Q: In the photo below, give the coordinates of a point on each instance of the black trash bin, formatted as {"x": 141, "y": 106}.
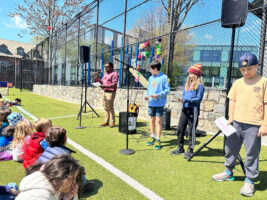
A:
{"x": 166, "y": 119}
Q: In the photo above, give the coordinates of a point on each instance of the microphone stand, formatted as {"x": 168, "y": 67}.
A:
{"x": 127, "y": 151}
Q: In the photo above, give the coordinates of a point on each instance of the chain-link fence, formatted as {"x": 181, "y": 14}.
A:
{"x": 137, "y": 32}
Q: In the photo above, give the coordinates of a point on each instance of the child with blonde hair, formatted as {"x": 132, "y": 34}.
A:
{"x": 34, "y": 149}
{"x": 191, "y": 99}
{"x": 21, "y": 138}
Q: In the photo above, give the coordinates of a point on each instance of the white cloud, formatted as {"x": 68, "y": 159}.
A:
{"x": 208, "y": 36}
{"x": 16, "y": 22}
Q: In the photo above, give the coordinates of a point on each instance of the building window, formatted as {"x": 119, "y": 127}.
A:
{"x": 3, "y": 49}
{"x": 210, "y": 55}
{"x": 20, "y": 51}
{"x": 36, "y": 53}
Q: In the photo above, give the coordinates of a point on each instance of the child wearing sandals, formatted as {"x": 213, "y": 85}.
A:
{"x": 248, "y": 114}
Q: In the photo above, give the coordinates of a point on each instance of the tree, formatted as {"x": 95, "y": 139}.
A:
{"x": 49, "y": 18}
{"x": 154, "y": 23}
{"x": 44, "y": 17}
{"x": 180, "y": 9}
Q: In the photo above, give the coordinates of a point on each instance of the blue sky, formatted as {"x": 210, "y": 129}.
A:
{"x": 209, "y": 10}
{"x": 11, "y": 27}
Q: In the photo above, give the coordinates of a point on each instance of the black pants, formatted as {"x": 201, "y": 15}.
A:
{"x": 186, "y": 118}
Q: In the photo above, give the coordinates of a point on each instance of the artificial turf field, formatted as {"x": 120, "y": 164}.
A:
{"x": 170, "y": 177}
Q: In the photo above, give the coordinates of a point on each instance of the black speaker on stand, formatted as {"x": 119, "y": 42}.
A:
{"x": 84, "y": 58}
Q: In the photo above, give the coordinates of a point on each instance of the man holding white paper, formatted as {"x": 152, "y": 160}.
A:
{"x": 109, "y": 85}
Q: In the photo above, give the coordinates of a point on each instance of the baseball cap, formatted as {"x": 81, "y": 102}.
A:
{"x": 247, "y": 59}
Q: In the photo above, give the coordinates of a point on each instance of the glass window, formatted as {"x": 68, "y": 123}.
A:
{"x": 20, "y": 51}
{"x": 3, "y": 49}
{"x": 210, "y": 55}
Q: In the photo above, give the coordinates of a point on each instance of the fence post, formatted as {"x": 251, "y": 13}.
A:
{"x": 120, "y": 80}
{"x": 111, "y": 53}
{"x": 96, "y": 33}
{"x": 169, "y": 43}
{"x": 78, "y": 55}
{"x": 262, "y": 69}
{"x": 102, "y": 63}
{"x": 137, "y": 52}
{"x": 124, "y": 36}
{"x": 89, "y": 68}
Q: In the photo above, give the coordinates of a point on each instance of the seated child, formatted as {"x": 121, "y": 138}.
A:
{"x": 8, "y": 132}
{"x": 34, "y": 149}
{"x": 9, "y": 191}
{"x": 3, "y": 105}
{"x": 3, "y": 119}
{"x": 22, "y": 136}
{"x": 56, "y": 138}
{"x": 56, "y": 179}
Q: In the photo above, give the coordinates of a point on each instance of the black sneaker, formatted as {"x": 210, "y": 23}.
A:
{"x": 178, "y": 151}
{"x": 188, "y": 153}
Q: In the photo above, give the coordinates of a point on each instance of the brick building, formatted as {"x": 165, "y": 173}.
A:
{"x": 11, "y": 53}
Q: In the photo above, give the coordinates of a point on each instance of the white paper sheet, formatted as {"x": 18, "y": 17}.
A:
{"x": 226, "y": 129}
{"x": 96, "y": 84}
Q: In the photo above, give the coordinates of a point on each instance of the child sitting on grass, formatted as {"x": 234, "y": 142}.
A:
{"x": 22, "y": 136}
{"x": 8, "y": 132}
{"x": 3, "y": 119}
{"x": 34, "y": 149}
{"x": 55, "y": 180}
{"x": 56, "y": 137}
{"x": 9, "y": 191}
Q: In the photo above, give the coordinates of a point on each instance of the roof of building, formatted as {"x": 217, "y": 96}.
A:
{"x": 12, "y": 47}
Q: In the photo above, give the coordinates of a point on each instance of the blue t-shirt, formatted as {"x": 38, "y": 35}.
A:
{"x": 4, "y": 125}
{"x": 160, "y": 86}
{"x": 5, "y": 140}
{"x": 193, "y": 98}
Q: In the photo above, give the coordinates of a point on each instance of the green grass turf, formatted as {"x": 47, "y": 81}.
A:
{"x": 171, "y": 177}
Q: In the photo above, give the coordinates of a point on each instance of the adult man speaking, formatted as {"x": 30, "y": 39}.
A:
{"x": 109, "y": 85}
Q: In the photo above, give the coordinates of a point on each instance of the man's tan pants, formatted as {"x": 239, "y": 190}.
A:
{"x": 108, "y": 104}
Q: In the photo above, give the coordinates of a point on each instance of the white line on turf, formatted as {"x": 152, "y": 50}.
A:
{"x": 124, "y": 177}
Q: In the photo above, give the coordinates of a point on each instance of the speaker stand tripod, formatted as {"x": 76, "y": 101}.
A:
{"x": 83, "y": 104}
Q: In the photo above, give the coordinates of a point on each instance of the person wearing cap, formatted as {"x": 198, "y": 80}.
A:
{"x": 248, "y": 115}
{"x": 158, "y": 88}
{"x": 192, "y": 96}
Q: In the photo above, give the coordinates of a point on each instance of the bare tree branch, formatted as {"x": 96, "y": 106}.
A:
{"x": 36, "y": 14}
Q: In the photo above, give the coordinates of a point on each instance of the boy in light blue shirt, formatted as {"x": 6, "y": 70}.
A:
{"x": 157, "y": 90}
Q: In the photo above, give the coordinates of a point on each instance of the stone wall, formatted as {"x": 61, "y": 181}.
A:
{"x": 212, "y": 107}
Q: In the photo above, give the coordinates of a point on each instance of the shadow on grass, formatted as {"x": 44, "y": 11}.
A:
{"x": 141, "y": 124}
{"x": 262, "y": 185}
{"x": 97, "y": 185}
{"x": 260, "y": 182}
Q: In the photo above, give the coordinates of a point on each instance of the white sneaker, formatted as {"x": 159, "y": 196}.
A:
{"x": 248, "y": 189}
